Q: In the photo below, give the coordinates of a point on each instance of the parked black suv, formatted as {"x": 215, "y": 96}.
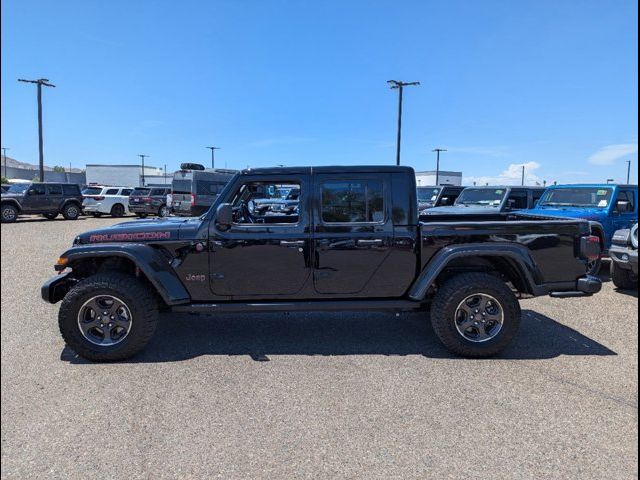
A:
{"x": 47, "y": 199}
{"x": 145, "y": 201}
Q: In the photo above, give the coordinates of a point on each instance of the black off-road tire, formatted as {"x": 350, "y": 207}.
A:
{"x": 117, "y": 210}
{"x": 163, "y": 211}
{"x": 623, "y": 279}
{"x": 9, "y": 213}
{"x": 50, "y": 216}
{"x": 71, "y": 211}
{"x": 139, "y": 299}
{"x": 593, "y": 268}
{"x": 449, "y": 297}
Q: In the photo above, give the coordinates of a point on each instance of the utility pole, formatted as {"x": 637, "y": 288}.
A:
{"x": 628, "y": 171}
{"x": 400, "y": 85}
{"x": 523, "y": 170}
{"x": 39, "y": 83}
{"x": 438, "y": 150}
{"x": 165, "y": 173}
{"x": 4, "y": 154}
{"x": 213, "y": 149}
{"x": 142, "y": 157}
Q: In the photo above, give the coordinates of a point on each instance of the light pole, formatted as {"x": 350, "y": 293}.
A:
{"x": 400, "y": 85}
{"x": 523, "y": 170}
{"x": 438, "y": 150}
{"x": 213, "y": 149}
{"x": 628, "y": 171}
{"x": 4, "y": 154}
{"x": 39, "y": 83}
{"x": 142, "y": 157}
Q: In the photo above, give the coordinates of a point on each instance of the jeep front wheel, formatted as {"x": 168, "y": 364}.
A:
{"x": 108, "y": 316}
{"x": 475, "y": 315}
{"x": 71, "y": 211}
{"x": 9, "y": 213}
{"x": 623, "y": 279}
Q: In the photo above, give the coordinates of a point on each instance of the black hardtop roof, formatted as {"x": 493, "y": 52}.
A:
{"x": 327, "y": 169}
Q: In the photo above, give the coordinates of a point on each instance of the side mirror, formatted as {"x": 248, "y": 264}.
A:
{"x": 224, "y": 215}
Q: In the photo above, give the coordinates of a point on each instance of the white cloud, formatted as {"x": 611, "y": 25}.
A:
{"x": 511, "y": 176}
{"x": 609, "y": 154}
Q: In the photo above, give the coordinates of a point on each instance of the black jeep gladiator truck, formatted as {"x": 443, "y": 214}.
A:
{"x": 355, "y": 243}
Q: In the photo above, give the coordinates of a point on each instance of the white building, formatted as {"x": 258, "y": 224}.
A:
{"x": 124, "y": 175}
{"x": 425, "y": 179}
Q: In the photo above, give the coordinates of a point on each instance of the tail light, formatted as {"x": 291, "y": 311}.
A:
{"x": 94, "y": 197}
{"x": 590, "y": 247}
{"x": 169, "y": 199}
{"x": 193, "y": 199}
{"x": 146, "y": 199}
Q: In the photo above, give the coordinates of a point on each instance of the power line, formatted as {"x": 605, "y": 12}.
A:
{"x": 396, "y": 84}
{"x": 39, "y": 83}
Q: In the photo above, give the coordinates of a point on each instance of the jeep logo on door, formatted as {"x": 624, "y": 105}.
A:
{"x": 190, "y": 277}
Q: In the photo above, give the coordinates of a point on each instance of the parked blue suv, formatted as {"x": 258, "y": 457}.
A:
{"x": 613, "y": 207}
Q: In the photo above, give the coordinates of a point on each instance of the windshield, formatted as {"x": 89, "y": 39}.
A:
{"x": 18, "y": 188}
{"x": 92, "y": 191}
{"x": 140, "y": 192}
{"x": 488, "y": 197}
{"x": 427, "y": 194}
{"x": 589, "y": 197}
{"x": 181, "y": 186}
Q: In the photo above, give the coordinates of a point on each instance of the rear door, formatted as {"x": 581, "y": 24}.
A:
{"x": 54, "y": 197}
{"x": 353, "y": 231}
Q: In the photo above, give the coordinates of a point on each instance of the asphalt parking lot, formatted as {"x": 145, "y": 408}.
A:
{"x": 315, "y": 395}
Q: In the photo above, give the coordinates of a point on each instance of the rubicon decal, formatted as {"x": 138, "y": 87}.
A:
{"x": 128, "y": 237}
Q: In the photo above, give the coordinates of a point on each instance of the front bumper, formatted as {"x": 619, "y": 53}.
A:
{"x": 624, "y": 257}
{"x": 56, "y": 288}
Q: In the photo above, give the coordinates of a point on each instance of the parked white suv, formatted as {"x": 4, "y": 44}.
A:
{"x": 104, "y": 200}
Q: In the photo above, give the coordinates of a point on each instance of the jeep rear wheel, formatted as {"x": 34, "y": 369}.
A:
{"x": 71, "y": 211}
{"x": 475, "y": 315}
{"x": 117, "y": 210}
{"x": 623, "y": 279}
{"x": 108, "y": 316}
{"x": 9, "y": 213}
{"x": 163, "y": 211}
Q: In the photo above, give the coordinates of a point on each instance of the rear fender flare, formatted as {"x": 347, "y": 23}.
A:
{"x": 518, "y": 255}
{"x": 150, "y": 261}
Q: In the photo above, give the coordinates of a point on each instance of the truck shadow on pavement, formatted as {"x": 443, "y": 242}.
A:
{"x": 182, "y": 337}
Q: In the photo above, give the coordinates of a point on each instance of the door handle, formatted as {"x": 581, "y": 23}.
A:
{"x": 294, "y": 243}
{"x": 377, "y": 242}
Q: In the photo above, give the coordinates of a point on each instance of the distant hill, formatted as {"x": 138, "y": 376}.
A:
{"x": 12, "y": 162}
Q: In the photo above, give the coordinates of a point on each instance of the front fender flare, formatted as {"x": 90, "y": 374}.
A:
{"x": 150, "y": 261}
{"x": 519, "y": 255}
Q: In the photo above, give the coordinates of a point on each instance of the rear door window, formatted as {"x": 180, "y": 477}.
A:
{"x": 126, "y": 191}
{"x": 112, "y": 191}
{"x": 157, "y": 192}
{"x": 54, "y": 189}
{"x": 352, "y": 201}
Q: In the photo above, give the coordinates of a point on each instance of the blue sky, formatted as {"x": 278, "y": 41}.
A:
{"x": 550, "y": 84}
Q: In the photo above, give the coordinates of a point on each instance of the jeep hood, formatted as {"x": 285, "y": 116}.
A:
{"x": 142, "y": 231}
{"x": 596, "y": 214}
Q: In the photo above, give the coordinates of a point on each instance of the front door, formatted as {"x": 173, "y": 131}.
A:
{"x": 625, "y": 218}
{"x": 266, "y": 252}
{"x": 35, "y": 199}
{"x": 353, "y": 232}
